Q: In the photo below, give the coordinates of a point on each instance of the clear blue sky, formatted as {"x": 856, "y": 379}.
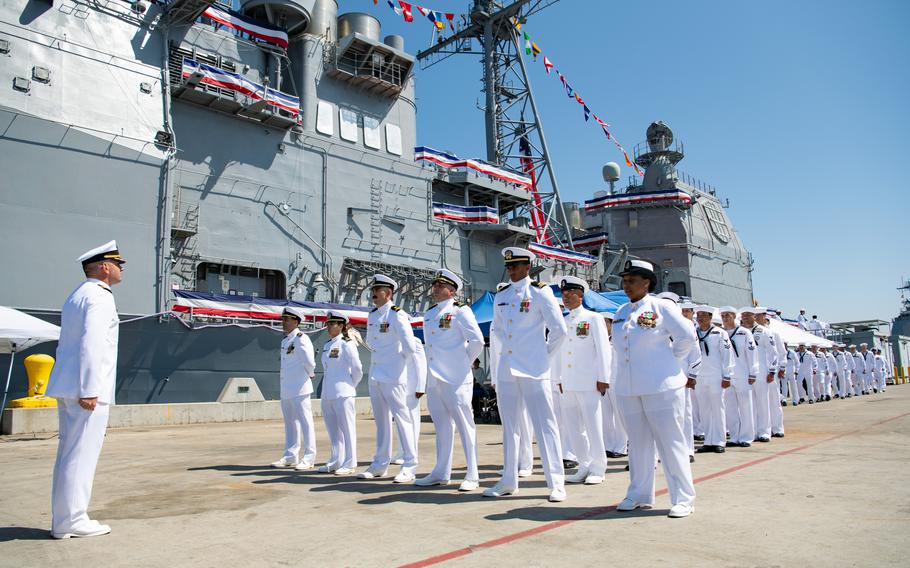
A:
{"x": 797, "y": 111}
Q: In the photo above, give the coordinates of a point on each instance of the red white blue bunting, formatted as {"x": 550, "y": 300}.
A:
{"x": 446, "y": 160}
{"x": 607, "y": 201}
{"x": 241, "y": 23}
{"x": 590, "y": 241}
{"x": 565, "y": 255}
{"x": 462, "y": 214}
{"x": 236, "y": 82}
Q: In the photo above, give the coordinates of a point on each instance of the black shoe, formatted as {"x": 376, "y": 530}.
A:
{"x": 802, "y": 400}
{"x": 699, "y": 438}
{"x": 836, "y": 395}
{"x": 691, "y": 459}
{"x": 875, "y": 390}
{"x": 865, "y": 393}
{"x": 762, "y": 439}
{"x": 783, "y": 403}
{"x": 745, "y": 445}
{"x": 778, "y": 435}
{"x": 719, "y": 449}
{"x": 615, "y": 455}
{"x": 827, "y": 397}
{"x": 627, "y": 468}
{"x": 849, "y": 395}
{"x": 705, "y": 449}
{"x": 811, "y": 402}
{"x": 569, "y": 464}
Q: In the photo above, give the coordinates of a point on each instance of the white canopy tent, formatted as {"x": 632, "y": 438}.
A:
{"x": 18, "y": 332}
{"x": 793, "y": 335}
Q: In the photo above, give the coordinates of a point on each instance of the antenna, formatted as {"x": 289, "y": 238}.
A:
{"x": 514, "y": 132}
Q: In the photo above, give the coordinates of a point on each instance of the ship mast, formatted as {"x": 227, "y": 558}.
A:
{"x": 514, "y": 131}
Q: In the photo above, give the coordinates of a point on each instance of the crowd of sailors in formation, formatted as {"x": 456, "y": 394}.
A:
{"x": 647, "y": 383}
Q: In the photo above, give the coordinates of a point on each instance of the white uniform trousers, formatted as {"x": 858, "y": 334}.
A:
{"x": 298, "y": 423}
{"x": 390, "y": 400}
{"x": 777, "y": 413}
{"x": 819, "y": 385}
{"x": 615, "y": 438}
{"x": 761, "y": 407}
{"x": 806, "y": 387}
{"x": 713, "y": 417}
{"x": 841, "y": 384}
{"x": 538, "y": 399}
{"x": 697, "y": 428}
{"x": 584, "y": 425}
{"x": 568, "y": 450}
{"x": 80, "y": 441}
{"x": 791, "y": 388}
{"x": 858, "y": 387}
{"x": 740, "y": 422}
{"x": 689, "y": 428}
{"x": 657, "y": 419}
{"x": 450, "y": 406}
{"x": 340, "y": 418}
{"x": 880, "y": 381}
{"x": 413, "y": 404}
{"x": 526, "y": 443}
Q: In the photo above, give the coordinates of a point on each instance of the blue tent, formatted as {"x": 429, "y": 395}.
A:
{"x": 483, "y": 311}
{"x": 598, "y": 301}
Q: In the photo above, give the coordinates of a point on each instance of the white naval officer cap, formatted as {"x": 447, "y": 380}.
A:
{"x": 515, "y": 255}
{"x": 447, "y": 277}
{"x": 107, "y": 251}
{"x": 336, "y": 317}
{"x": 293, "y": 312}
{"x": 568, "y": 282}
{"x": 704, "y": 308}
{"x": 669, "y": 296}
{"x": 383, "y": 281}
{"x": 728, "y": 309}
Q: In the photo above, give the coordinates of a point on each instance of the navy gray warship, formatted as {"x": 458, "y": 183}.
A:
{"x": 249, "y": 169}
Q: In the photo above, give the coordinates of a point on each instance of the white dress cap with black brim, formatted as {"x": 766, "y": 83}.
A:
{"x": 516, "y": 255}
{"x": 447, "y": 277}
{"x": 107, "y": 251}
{"x": 383, "y": 281}
{"x": 336, "y": 317}
{"x": 573, "y": 283}
{"x": 293, "y": 312}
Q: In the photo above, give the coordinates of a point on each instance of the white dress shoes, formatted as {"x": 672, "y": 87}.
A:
{"x": 630, "y": 505}
{"x": 468, "y": 485}
{"x": 578, "y": 477}
{"x": 94, "y": 529}
{"x": 594, "y": 480}
{"x": 680, "y": 510}
{"x": 372, "y": 474}
{"x": 326, "y": 469}
{"x": 429, "y": 481}
{"x": 304, "y": 466}
{"x": 558, "y": 495}
{"x": 499, "y": 490}
{"x": 524, "y": 472}
{"x": 343, "y": 471}
{"x": 404, "y": 477}
{"x": 284, "y": 462}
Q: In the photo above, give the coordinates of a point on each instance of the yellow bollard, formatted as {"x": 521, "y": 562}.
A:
{"x": 38, "y": 367}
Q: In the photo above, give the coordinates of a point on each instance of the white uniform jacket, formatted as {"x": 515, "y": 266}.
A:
{"x": 417, "y": 369}
{"x": 522, "y": 312}
{"x": 821, "y": 363}
{"x": 832, "y": 363}
{"x": 792, "y": 365}
{"x": 453, "y": 341}
{"x": 849, "y": 363}
{"x": 717, "y": 359}
{"x": 645, "y": 361}
{"x": 298, "y": 364}
{"x": 781, "y": 348}
{"x": 766, "y": 352}
{"x": 86, "y": 365}
{"x": 840, "y": 361}
{"x": 859, "y": 363}
{"x": 878, "y": 368}
{"x": 391, "y": 339}
{"x": 586, "y": 356}
{"x": 869, "y": 362}
{"x": 807, "y": 365}
{"x": 341, "y": 368}
{"x": 744, "y": 352}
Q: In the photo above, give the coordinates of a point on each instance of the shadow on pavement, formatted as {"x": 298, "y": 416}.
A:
{"x": 23, "y": 533}
{"x": 557, "y": 513}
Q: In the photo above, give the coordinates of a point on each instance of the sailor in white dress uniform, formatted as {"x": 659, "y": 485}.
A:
{"x": 391, "y": 339}
{"x": 583, "y": 369}
{"x": 83, "y": 381}
{"x": 777, "y": 388}
{"x": 739, "y": 403}
{"x": 821, "y": 373}
{"x": 805, "y": 374}
{"x": 764, "y": 390}
{"x": 453, "y": 341}
{"x": 649, "y": 380}
{"x": 522, "y": 314}
{"x": 714, "y": 377}
{"x": 694, "y": 429}
{"x": 859, "y": 370}
{"x": 342, "y": 371}
{"x": 868, "y": 367}
{"x": 833, "y": 374}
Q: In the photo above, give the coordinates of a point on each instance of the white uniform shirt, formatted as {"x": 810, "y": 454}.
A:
{"x": 744, "y": 353}
{"x": 298, "y": 364}
{"x": 86, "y": 365}
{"x": 792, "y": 365}
{"x": 859, "y": 363}
{"x": 878, "y": 368}
{"x": 645, "y": 361}
{"x": 781, "y": 349}
{"x": 821, "y": 363}
{"x": 522, "y": 312}
{"x": 717, "y": 359}
{"x": 832, "y": 363}
{"x": 807, "y": 365}
{"x": 802, "y": 321}
{"x": 391, "y": 338}
{"x": 454, "y": 341}
{"x": 586, "y": 356}
{"x": 868, "y": 362}
{"x": 849, "y": 363}
{"x": 766, "y": 352}
{"x": 341, "y": 368}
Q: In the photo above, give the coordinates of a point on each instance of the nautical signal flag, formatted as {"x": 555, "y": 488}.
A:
{"x": 405, "y": 10}
{"x": 547, "y": 64}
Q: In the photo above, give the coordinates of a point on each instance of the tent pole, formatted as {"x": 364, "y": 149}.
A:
{"x": 9, "y": 374}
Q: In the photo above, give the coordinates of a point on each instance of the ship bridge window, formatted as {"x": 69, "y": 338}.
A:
{"x": 371, "y": 136}
{"x": 236, "y": 280}
{"x": 717, "y": 221}
{"x": 393, "y": 139}
{"x": 348, "y": 124}
{"x": 325, "y": 118}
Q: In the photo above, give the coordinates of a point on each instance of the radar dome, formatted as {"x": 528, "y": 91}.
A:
{"x": 611, "y": 172}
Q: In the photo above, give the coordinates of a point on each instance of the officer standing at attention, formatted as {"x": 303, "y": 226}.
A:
{"x": 454, "y": 340}
{"x": 583, "y": 366}
{"x": 342, "y": 372}
{"x": 715, "y": 376}
{"x": 523, "y": 311}
{"x": 739, "y": 402}
{"x": 83, "y": 381}
{"x": 650, "y": 382}
{"x": 298, "y": 365}
{"x": 391, "y": 339}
